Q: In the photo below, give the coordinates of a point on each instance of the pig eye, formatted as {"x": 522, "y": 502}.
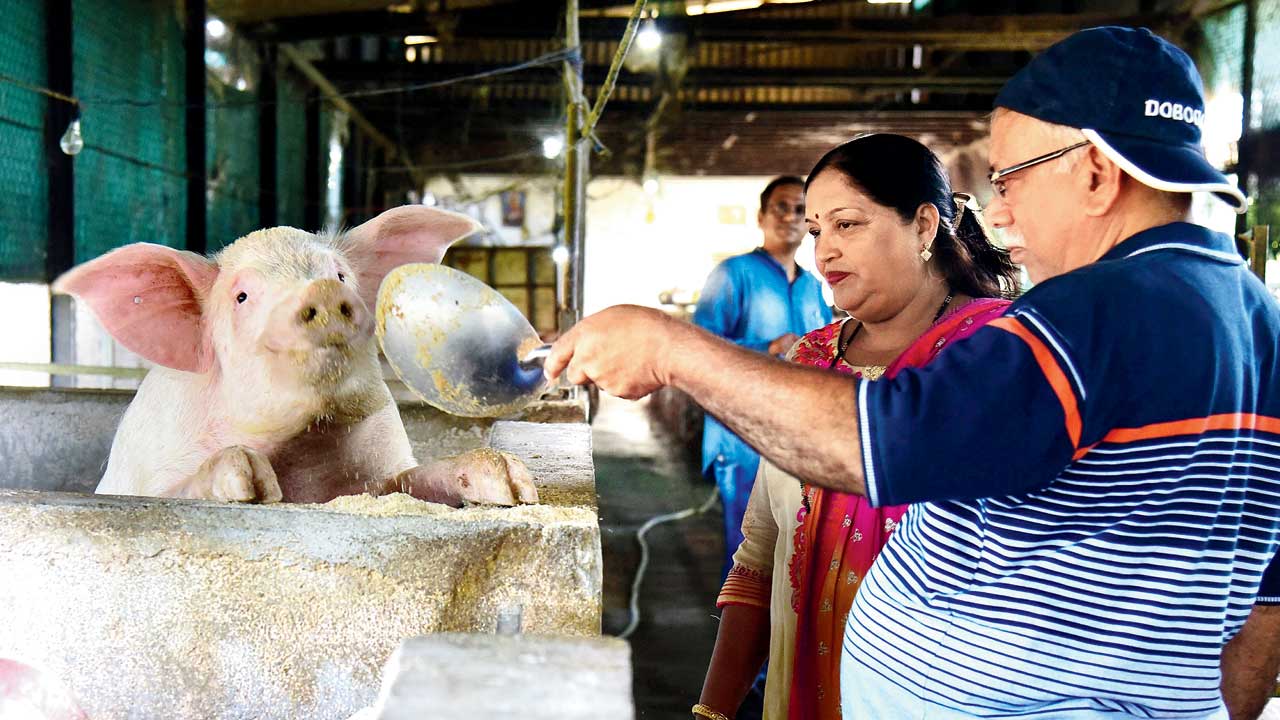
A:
{"x": 242, "y": 297}
{"x": 342, "y": 278}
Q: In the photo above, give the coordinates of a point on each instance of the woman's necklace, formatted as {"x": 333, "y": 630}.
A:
{"x": 844, "y": 343}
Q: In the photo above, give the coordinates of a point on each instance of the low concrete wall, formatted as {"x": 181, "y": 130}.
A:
{"x": 152, "y": 608}
{"x": 493, "y": 677}
{"x": 60, "y": 439}
{"x": 57, "y": 439}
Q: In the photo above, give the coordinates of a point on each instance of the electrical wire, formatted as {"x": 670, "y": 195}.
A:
{"x": 567, "y": 54}
{"x": 644, "y": 554}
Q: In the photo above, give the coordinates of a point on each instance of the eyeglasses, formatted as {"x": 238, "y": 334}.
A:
{"x": 997, "y": 177}
{"x": 785, "y": 209}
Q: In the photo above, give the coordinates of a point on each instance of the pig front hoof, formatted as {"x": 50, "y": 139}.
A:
{"x": 492, "y": 477}
{"x": 479, "y": 477}
{"x": 239, "y": 474}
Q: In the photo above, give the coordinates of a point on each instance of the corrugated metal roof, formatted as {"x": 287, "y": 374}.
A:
{"x": 743, "y": 92}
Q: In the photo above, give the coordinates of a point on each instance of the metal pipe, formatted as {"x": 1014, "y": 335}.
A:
{"x": 575, "y": 171}
{"x": 196, "y": 133}
{"x": 268, "y": 138}
{"x": 332, "y": 94}
{"x": 611, "y": 79}
{"x": 562, "y": 292}
{"x": 1244, "y": 161}
{"x": 1261, "y": 239}
{"x": 60, "y": 249}
{"x": 73, "y": 369}
{"x": 315, "y": 163}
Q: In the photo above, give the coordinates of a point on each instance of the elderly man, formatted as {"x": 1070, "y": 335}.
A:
{"x": 1098, "y": 472}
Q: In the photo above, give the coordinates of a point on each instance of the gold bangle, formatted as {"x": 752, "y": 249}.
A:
{"x": 705, "y": 712}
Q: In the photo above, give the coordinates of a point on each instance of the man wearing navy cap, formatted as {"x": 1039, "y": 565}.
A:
{"x": 1085, "y": 547}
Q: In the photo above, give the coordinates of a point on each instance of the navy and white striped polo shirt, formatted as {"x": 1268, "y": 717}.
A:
{"x": 1099, "y": 479}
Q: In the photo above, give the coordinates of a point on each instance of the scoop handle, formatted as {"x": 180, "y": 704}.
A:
{"x": 536, "y": 357}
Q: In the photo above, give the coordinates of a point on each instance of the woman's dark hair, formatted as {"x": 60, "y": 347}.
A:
{"x": 900, "y": 173}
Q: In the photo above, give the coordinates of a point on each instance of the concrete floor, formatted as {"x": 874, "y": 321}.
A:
{"x": 641, "y": 473}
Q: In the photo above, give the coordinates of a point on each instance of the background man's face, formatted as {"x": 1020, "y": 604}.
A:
{"x": 782, "y": 219}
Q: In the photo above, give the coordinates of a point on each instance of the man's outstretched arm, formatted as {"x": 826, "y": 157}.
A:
{"x": 802, "y": 419}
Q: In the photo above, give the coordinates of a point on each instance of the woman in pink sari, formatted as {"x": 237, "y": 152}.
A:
{"x": 912, "y": 265}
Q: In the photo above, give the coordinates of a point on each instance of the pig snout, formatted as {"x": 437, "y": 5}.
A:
{"x": 327, "y": 313}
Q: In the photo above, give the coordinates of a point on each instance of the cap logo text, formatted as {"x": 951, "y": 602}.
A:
{"x": 1174, "y": 111}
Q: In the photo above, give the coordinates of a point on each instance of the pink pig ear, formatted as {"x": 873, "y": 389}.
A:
{"x": 399, "y": 236}
{"x": 151, "y": 299}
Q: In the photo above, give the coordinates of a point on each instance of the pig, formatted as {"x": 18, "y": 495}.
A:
{"x": 267, "y": 385}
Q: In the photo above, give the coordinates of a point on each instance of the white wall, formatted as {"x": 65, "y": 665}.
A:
{"x": 639, "y": 245}
{"x": 27, "y": 340}
{"x": 94, "y": 346}
{"x": 26, "y": 332}
{"x": 479, "y": 196}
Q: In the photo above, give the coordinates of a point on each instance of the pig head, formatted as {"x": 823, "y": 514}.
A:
{"x": 269, "y": 385}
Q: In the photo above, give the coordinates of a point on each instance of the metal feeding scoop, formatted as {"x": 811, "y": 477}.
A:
{"x": 457, "y": 343}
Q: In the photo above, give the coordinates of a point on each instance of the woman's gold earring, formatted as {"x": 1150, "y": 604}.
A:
{"x": 925, "y": 254}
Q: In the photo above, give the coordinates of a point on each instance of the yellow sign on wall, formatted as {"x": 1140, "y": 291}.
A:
{"x": 733, "y": 215}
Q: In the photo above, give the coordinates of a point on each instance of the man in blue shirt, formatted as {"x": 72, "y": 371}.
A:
{"x": 763, "y": 301}
{"x": 1095, "y": 476}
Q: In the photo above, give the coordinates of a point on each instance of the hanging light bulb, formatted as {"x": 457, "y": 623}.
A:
{"x": 649, "y": 38}
{"x": 72, "y": 141}
{"x": 215, "y": 28}
{"x": 552, "y": 146}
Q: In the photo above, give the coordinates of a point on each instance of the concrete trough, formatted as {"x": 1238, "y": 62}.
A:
{"x": 150, "y": 608}
{"x": 495, "y": 677}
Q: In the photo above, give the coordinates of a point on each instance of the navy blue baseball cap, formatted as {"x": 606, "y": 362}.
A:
{"x": 1137, "y": 97}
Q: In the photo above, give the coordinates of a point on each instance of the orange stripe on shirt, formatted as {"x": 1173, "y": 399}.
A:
{"x": 1049, "y": 366}
{"x": 1195, "y": 426}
